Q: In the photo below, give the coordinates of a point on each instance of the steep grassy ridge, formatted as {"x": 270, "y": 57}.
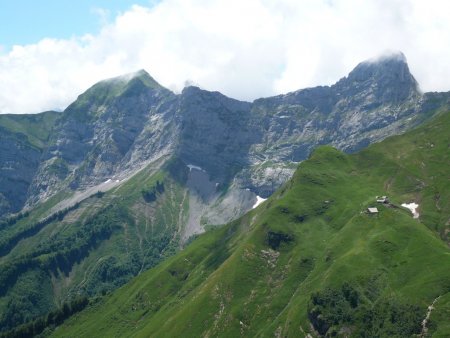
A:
{"x": 36, "y": 127}
{"x": 310, "y": 259}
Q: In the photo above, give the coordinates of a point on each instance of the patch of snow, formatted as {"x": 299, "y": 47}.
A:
{"x": 413, "y": 207}
{"x": 247, "y": 189}
{"x": 117, "y": 181}
{"x": 155, "y": 117}
{"x": 107, "y": 181}
{"x": 191, "y": 166}
{"x": 259, "y": 200}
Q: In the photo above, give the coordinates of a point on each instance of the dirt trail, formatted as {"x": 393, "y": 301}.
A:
{"x": 427, "y": 318}
{"x": 89, "y": 271}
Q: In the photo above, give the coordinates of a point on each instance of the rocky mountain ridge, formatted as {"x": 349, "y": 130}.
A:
{"x": 119, "y": 125}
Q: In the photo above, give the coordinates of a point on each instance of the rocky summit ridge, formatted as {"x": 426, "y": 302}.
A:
{"x": 120, "y": 125}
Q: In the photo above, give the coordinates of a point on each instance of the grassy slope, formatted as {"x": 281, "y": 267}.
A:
{"x": 36, "y": 127}
{"x": 103, "y": 92}
{"x": 230, "y": 282}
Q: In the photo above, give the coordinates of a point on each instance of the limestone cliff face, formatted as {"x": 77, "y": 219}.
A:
{"x": 377, "y": 99}
{"x": 115, "y": 125}
{"x": 374, "y": 95}
{"x": 121, "y": 124}
{"x": 214, "y": 132}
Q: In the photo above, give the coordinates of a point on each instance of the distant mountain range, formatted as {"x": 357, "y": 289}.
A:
{"x": 130, "y": 173}
{"x": 120, "y": 125}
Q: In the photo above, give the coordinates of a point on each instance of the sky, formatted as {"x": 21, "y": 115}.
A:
{"x": 52, "y": 51}
{"x": 28, "y": 21}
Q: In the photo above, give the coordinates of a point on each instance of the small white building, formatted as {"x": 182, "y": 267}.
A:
{"x": 382, "y": 199}
{"x": 372, "y": 210}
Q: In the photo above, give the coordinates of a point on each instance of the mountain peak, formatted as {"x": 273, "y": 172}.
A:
{"x": 396, "y": 56}
{"x": 116, "y": 86}
{"x": 131, "y": 84}
{"x": 388, "y": 76}
{"x": 388, "y": 66}
{"x": 141, "y": 75}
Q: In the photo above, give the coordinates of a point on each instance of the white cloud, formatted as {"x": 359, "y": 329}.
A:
{"x": 245, "y": 49}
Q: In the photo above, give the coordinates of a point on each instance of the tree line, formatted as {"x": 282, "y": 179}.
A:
{"x": 9, "y": 241}
{"x": 53, "y": 318}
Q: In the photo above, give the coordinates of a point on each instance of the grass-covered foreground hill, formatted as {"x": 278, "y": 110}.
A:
{"x": 310, "y": 260}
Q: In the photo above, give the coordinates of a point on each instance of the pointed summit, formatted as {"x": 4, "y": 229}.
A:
{"x": 390, "y": 56}
{"x": 141, "y": 75}
{"x": 121, "y": 82}
{"x": 387, "y": 67}
{"x": 118, "y": 85}
{"x": 387, "y": 77}
{"x": 105, "y": 91}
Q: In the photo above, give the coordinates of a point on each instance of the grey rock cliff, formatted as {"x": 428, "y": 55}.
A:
{"x": 120, "y": 125}
{"x": 377, "y": 99}
{"x": 214, "y": 132}
{"x": 115, "y": 125}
